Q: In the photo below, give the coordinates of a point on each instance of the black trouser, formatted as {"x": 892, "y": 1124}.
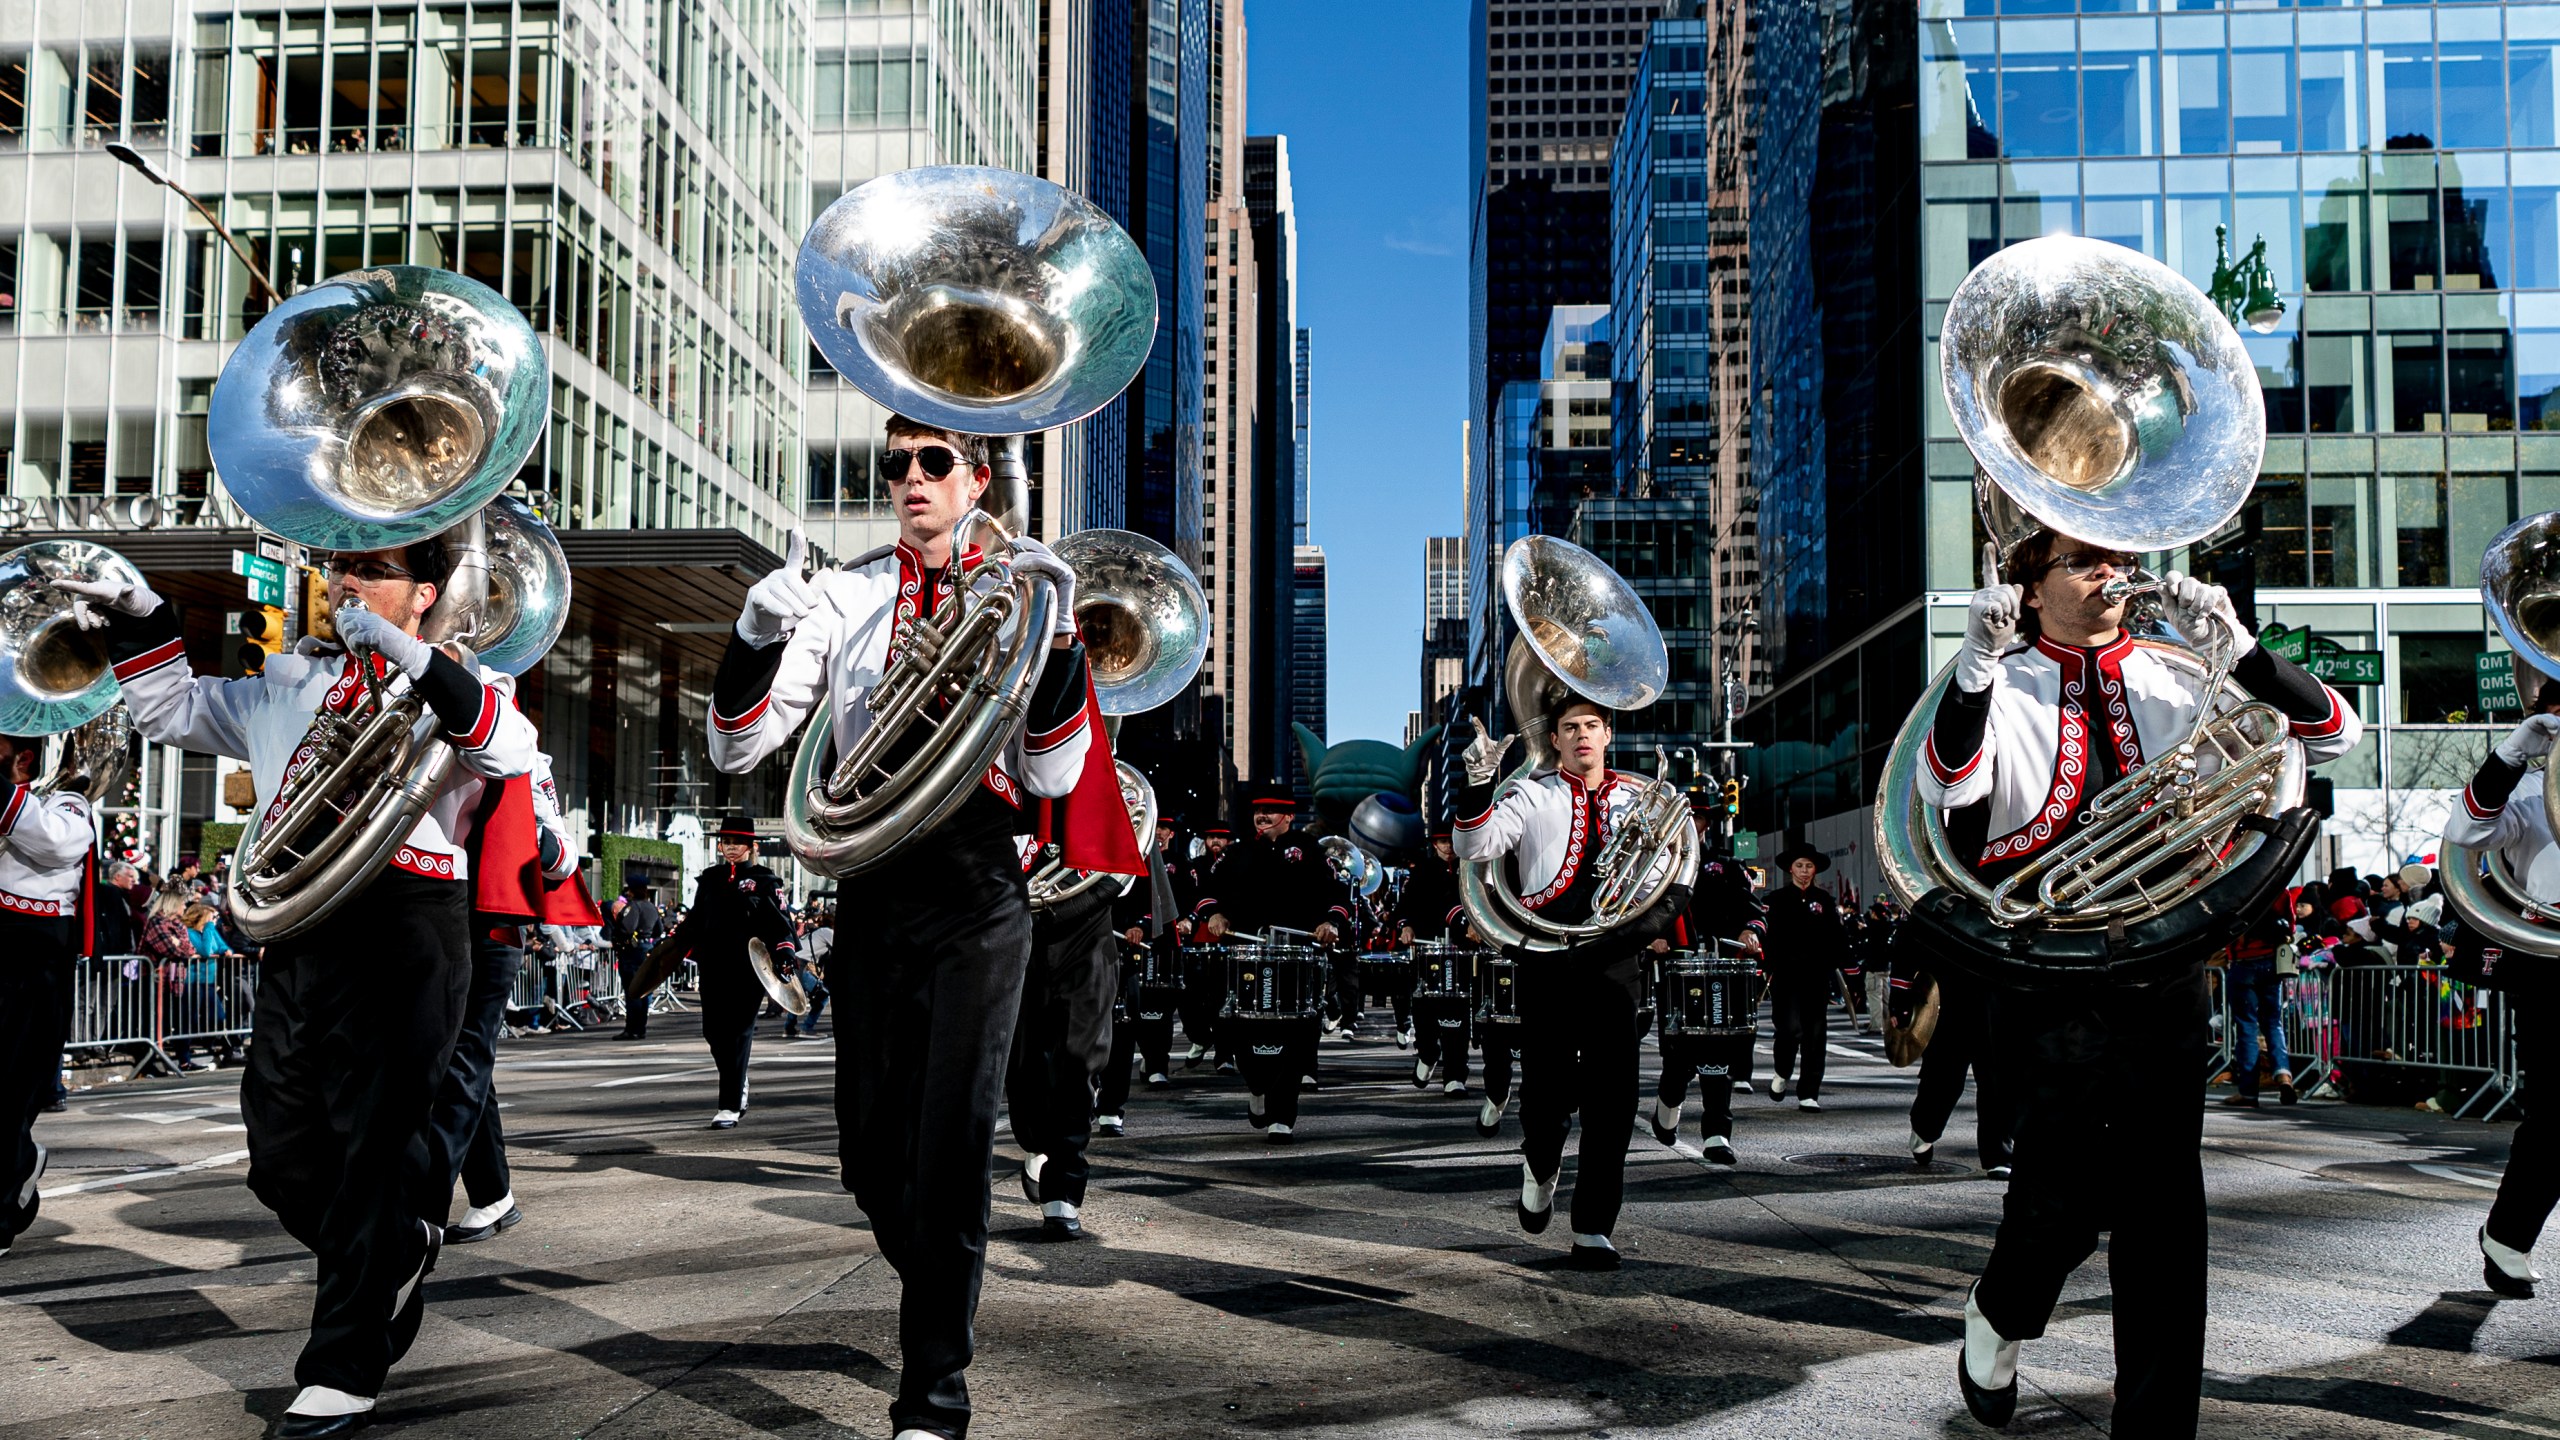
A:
{"x": 635, "y": 1006}
{"x": 2532, "y": 1183}
{"x": 1111, "y": 1087}
{"x": 924, "y": 1021}
{"x": 1800, "y": 1014}
{"x": 471, "y": 1144}
{"x": 1501, "y": 1043}
{"x": 1714, "y": 1061}
{"x": 1204, "y": 991}
{"x": 35, "y": 1020}
{"x": 1578, "y": 1054}
{"x": 1440, "y": 1033}
{"x": 1962, "y": 1041}
{"x": 355, "y": 1024}
{"x": 1273, "y": 1056}
{"x": 732, "y": 998}
{"x": 1061, "y": 1042}
{"x": 2108, "y": 1138}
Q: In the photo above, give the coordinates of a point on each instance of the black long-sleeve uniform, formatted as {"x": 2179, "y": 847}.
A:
{"x": 1261, "y": 883}
{"x": 733, "y": 904}
{"x": 1430, "y": 908}
{"x": 1722, "y": 909}
{"x": 1805, "y": 945}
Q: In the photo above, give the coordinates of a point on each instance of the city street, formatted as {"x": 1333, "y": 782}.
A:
{"x": 669, "y": 1280}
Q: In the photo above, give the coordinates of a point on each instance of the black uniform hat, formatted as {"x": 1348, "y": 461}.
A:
{"x": 1218, "y": 830}
{"x": 740, "y": 826}
{"x": 1273, "y": 796}
{"x": 1803, "y": 851}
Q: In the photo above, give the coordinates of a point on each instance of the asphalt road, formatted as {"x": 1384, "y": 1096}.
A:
{"x": 670, "y": 1280}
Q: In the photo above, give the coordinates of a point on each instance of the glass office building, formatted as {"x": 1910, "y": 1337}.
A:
{"x": 634, "y": 180}
{"x": 2398, "y": 163}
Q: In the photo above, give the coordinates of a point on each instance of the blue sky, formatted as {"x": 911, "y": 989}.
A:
{"x": 1373, "y": 99}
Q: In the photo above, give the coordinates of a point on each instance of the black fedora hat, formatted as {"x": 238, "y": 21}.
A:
{"x": 1802, "y": 850}
{"x": 740, "y": 826}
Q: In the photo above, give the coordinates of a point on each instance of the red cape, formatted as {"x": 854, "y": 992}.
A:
{"x": 506, "y": 872}
{"x": 1091, "y": 823}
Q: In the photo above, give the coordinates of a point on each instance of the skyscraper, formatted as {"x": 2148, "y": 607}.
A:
{"x": 1168, "y": 188}
{"x": 1444, "y": 622}
{"x": 1302, "y": 479}
{"x": 1544, "y": 98}
{"x": 1275, "y": 444}
{"x": 635, "y": 182}
{"x": 1233, "y": 568}
{"x": 1080, "y": 474}
{"x": 1548, "y": 458}
{"x": 1307, "y": 654}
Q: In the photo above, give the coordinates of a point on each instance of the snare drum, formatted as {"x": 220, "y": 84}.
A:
{"x": 1498, "y": 993}
{"x": 1443, "y": 971}
{"x": 1385, "y": 974}
{"x": 1707, "y": 995}
{"x": 1155, "y": 984}
{"x": 1274, "y": 982}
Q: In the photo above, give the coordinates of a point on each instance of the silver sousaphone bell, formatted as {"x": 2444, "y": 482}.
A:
{"x": 2520, "y": 587}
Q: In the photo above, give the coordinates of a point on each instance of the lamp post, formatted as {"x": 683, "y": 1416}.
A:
{"x": 2246, "y": 292}
{"x": 257, "y": 274}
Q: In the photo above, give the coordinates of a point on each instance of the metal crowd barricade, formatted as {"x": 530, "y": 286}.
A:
{"x": 211, "y": 1004}
{"x": 115, "y": 1008}
{"x": 2418, "y": 1017}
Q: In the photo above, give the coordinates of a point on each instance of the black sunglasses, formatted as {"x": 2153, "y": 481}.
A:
{"x": 371, "y": 572}
{"x": 937, "y": 461}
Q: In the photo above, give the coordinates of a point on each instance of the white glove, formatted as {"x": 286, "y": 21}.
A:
{"x": 89, "y": 596}
{"x": 1483, "y": 755}
{"x": 778, "y": 603}
{"x": 2529, "y": 739}
{"x": 2197, "y": 610}
{"x": 361, "y": 628}
{"x": 1033, "y": 558}
{"x": 1990, "y": 623}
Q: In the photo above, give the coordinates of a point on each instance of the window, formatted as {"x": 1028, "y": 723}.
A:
{"x": 2421, "y": 529}
{"x": 2262, "y": 101}
{"x": 2410, "y": 369}
{"x": 2039, "y": 105}
{"x": 2474, "y": 97}
{"x": 2330, "y": 85}
{"x": 141, "y": 284}
{"x": 2476, "y": 381}
{"x": 2408, "y": 96}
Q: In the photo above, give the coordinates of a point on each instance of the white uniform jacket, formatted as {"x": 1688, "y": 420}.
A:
{"x": 2049, "y": 711}
{"x": 843, "y": 645}
{"x": 264, "y": 720}
{"x": 1542, "y": 820}
{"x": 44, "y": 846}
{"x": 2519, "y": 828}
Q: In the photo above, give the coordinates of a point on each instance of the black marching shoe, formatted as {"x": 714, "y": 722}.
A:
{"x": 1110, "y": 1127}
{"x": 2501, "y": 1279}
{"x": 1060, "y": 1221}
{"x": 1664, "y": 1119}
{"x": 1587, "y": 1255}
{"x": 1991, "y": 1407}
{"x": 1031, "y": 1180}
{"x": 409, "y": 1307}
{"x": 1718, "y": 1150}
{"x": 317, "y": 1427}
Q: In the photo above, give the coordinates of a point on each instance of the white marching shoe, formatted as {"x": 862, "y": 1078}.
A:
{"x": 2507, "y": 1270}
{"x": 724, "y": 1120}
{"x": 1454, "y": 1087}
{"x": 1922, "y": 1151}
{"x": 1986, "y": 1368}
{"x": 1537, "y": 1198}
{"x": 1279, "y": 1133}
{"x": 1718, "y": 1150}
{"x": 1489, "y": 1118}
{"x": 1665, "y": 1120}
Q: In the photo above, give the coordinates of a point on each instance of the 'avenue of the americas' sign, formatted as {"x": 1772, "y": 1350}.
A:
{"x": 117, "y": 513}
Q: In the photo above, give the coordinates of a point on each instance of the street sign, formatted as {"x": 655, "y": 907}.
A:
{"x": 273, "y": 548}
{"x": 2493, "y": 675}
{"x": 265, "y": 576}
{"x": 2326, "y": 659}
{"x": 1746, "y": 845}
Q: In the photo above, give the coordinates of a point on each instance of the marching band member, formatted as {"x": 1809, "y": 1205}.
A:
{"x": 1203, "y": 988}
{"x": 345, "y": 1059}
{"x": 1275, "y": 877}
{"x": 1061, "y": 1041}
{"x": 1805, "y": 947}
{"x": 1580, "y": 1043}
{"x": 1147, "y": 918}
{"x": 44, "y": 869}
{"x": 928, "y": 983}
{"x": 510, "y": 889}
{"x": 2495, "y": 814}
{"x": 2109, "y": 1127}
{"x": 1722, "y": 909}
{"x": 734, "y": 901}
{"x": 1429, "y": 910}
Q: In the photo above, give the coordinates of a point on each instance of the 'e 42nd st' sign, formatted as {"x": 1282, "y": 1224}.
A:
{"x": 2326, "y": 659}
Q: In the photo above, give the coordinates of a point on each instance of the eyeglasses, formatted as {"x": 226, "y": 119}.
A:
{"x": 371, "y": 572}
{"x": 937, "y": 461}
{"x": 2080, "y": 564}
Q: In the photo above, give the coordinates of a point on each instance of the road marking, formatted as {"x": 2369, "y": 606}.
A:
{"x": 2447, "y": 1172}
{"x": 653, "y": 1079}
{"x": 172, "y": 1117}
{"x": 214, "y": 1162}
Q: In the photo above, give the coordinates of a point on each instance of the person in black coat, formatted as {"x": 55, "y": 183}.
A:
{"x": 1722, "y": 909}
{"x": 1429, "y": 910}
{"x": 1148, "y": 920}
{"x": 1275, "y": 878}
{"x": 1805, "y": 945}
{"x": 1203, "y": 985}
{"x": 734, "y": 901}
{"x": 635, "y": 926}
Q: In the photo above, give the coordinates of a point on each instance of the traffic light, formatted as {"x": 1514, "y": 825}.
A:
{"x": 1733, "y": 797}
{"x": 315, "y": 605}
{"x": 261, "y": 635}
